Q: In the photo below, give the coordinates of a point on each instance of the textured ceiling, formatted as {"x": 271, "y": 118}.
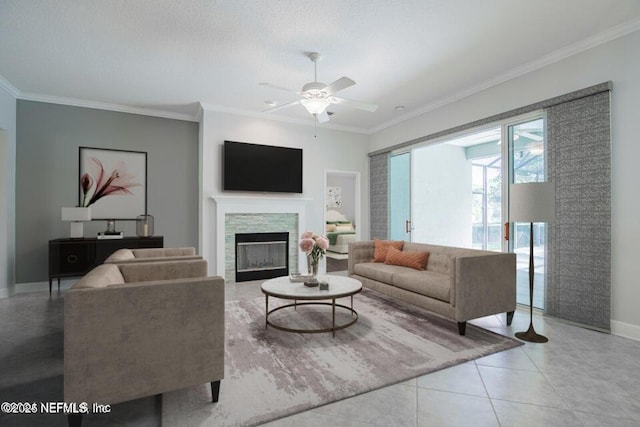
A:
{"x": 170, "y": 55}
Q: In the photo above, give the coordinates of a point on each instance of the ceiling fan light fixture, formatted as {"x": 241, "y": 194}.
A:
{"x": 315, "y": 105}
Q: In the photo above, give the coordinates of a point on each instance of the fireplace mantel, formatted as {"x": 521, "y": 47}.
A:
{"x": 219, "y": 199}
{"x": 226, "y": 204}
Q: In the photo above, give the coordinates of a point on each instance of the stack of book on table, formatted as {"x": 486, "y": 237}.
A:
{"x": 110, "y": 235}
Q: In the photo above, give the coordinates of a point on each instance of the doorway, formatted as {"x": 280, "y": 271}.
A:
{"x": 342, "y": 217}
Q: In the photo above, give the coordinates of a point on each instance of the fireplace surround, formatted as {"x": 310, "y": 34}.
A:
{"x": 243, "y": 214}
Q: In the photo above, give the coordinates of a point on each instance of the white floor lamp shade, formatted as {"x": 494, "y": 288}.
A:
{"x": 532, "y": 202}
{"x": 76, "y": 216}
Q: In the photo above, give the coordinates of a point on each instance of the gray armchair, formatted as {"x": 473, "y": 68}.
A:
{"x": 142, "y": 329}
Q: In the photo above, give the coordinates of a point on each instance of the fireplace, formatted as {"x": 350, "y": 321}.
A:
{"x": 261, "y": 255}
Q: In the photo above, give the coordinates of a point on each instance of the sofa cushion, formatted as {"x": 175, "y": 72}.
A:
{"x": 416, "y": 260}
{"x": 381, "y": 246}
{"x": 163, "y": 270}
{"x": 429, "y": 283}
{"x": 100, "y": 277}
{"x": 121, "y": 255}
{"x": 163, "y": 252}
{"x": 441, "y": 258}
{"x": 376, "y": 271}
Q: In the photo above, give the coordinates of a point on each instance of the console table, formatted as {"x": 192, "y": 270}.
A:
{"x": 76, "y": 257}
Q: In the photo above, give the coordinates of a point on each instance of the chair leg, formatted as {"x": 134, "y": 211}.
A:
{"x": 462, "y": 327}
{"x": 215, "y": 390}
{"x": 75, "y": 420}
{"x": 510, "y": 317}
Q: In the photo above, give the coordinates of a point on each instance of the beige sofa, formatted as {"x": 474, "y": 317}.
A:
{"x": 122, "y": 256}
{"x": 142, "y": 329}
{"x": 461, "y": 284}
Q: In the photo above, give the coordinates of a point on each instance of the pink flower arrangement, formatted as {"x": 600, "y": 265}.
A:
{"x": 116, "y": 182}
{"x": 313, "y": 245}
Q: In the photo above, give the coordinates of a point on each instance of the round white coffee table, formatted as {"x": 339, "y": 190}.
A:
{"x": 339, "y": 287}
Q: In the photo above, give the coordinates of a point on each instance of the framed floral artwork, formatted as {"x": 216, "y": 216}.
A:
{"x": 113, "y": 183}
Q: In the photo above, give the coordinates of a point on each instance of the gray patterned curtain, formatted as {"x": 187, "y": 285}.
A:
{"x": 379, "y": 195}
{"x": 579, "y": 246}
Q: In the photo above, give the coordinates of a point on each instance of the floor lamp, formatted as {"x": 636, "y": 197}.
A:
{"x": 532, "y": 202}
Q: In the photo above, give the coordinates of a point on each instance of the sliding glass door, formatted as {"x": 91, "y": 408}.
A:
{"x": 400, "y": 196}
{"x": 455, "y": 192}
{"x": 456, "y": 197}
{"x": 527, "y": 164}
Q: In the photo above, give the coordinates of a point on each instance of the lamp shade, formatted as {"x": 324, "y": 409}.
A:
{"x": 532, "y": 202}
{"x": 76, "y": 214}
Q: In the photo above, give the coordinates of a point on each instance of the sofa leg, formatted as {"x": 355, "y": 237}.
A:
{"x": 510, "y": 317}
{"x": 462, "y": 327}
{"x": 215, "y": 390}
{"x": 75, "y": 420}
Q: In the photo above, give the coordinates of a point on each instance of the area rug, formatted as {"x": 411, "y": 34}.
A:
{"x": 271, "y": 374}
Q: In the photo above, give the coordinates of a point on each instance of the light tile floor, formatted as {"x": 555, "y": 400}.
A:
{"x": 579, "y": 378}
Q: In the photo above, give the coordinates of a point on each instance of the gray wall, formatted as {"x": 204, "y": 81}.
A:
{"x": 48, "y": 137}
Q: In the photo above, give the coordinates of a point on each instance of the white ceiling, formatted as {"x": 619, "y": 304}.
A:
{"x": 169, "y": 55}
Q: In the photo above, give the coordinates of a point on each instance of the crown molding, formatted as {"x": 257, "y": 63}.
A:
{"x": 200, "y": 112}
{"x": 556, "y": 56}
{"x": 7, "y": 86}
{"x": 274, "y": 117}
{"x": 106, "y": 106}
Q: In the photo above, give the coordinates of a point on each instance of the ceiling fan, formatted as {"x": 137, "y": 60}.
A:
{"x": 317, "y": 96}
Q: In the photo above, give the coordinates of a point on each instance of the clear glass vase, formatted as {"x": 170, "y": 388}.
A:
{"x": 312, "y": 266}
{"x": 312, "y": 270}
{"x": 144, "y": 225}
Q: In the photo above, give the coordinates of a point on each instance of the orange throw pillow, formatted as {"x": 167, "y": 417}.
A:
{"x": 380, "y": 254}
{"x": 417, "y": 260}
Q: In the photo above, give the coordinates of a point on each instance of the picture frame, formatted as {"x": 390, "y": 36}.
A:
{"x": 113, "y": 182}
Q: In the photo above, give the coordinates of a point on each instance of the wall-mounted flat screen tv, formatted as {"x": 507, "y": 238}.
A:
{"x": 263, "y": 168}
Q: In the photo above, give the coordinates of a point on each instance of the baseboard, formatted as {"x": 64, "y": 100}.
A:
{"x": 42, "y": 286}
{"x": 5, "y": 293}
{"x": 626, "y": 330}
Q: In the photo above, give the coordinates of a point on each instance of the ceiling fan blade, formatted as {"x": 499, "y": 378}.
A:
{"x": 341, "y": 83}
{"x": 278, "y": 87}
{"x": 355, "y": 104}
{"x": 323, "y": 117}
{"x": 280, "y": 107}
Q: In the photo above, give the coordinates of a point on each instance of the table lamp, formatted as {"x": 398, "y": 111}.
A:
{"x": 532, "y": 202}
{"x": 76, "y": 216}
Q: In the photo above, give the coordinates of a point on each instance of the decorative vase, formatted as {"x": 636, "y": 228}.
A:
{"x": 312, "y": 270}
{"x": 312, "y": 266}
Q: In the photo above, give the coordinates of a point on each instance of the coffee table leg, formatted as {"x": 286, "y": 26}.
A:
{"x": 333, "y": 324}
{"x": 352, "y": 305}
{"x": 266, "y": 311}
